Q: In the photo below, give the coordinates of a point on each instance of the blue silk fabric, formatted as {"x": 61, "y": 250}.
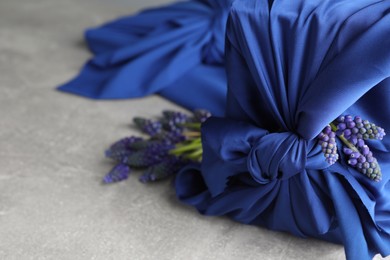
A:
{"x": 176, "y": 51}
{"x": 292, "y": 68}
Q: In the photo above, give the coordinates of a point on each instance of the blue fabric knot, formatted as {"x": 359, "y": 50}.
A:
{"x": 232, "y": 148}
{"x": 277, "y": 156}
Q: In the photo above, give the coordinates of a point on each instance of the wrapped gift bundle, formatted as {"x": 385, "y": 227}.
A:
{"x": 299, "y": 91}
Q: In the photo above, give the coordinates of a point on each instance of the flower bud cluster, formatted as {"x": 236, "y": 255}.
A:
{"x": 173, "y": 121}
{"x": 120, "y": 172}
{"x": 356, "y": 131}
{"x": 353, "y": 131}
{"x": 149, "y": 127}
{"x": 154, "y": 153}
{"x": 122, "y": 148}
{"x": 356, "y": 128}
{"x": 327, "y": 140}
{"x": 151, "y": 155}
{"x": 162, "y": 170}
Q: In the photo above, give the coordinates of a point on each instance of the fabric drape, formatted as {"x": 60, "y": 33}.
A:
{"x": 176, "y": 51}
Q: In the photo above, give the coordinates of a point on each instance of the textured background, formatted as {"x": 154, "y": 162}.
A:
{"x": 52, "y": 202}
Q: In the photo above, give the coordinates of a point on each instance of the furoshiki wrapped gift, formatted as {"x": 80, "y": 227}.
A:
{"x": 296, "y": 149}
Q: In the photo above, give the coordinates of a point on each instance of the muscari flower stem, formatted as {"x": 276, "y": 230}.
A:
{"x": 191, "y": 150}
{"x": 343, "y": 139}
{"x": 195, "y": 155}
{"x": 182, "y": 148}
{"x": 191, "y": 134}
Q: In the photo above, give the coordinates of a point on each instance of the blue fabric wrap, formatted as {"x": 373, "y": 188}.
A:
{"x": 292, "y": 68}
{"x": 176, "y": 51}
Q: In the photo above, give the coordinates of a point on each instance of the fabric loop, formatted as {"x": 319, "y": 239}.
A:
{"x": 232, "y": 147}
{"x": 277, "y": 156}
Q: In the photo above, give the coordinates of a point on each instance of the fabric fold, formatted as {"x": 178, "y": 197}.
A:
{"x": 169, "y": 50}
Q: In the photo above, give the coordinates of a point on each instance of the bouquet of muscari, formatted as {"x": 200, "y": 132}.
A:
{"x": 297, "y": 148}
{"x": 167, "y": 145}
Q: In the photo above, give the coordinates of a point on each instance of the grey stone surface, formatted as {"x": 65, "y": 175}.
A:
{"x": 52, "y": 202}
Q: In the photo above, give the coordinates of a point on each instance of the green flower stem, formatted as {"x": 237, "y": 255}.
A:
{"x": 192, "y": 134}
{"x": 193, "y": 145}
{"x": 191, "y": 148}
{"x": 343, "y": 139}
{"x": 195, "y": 155}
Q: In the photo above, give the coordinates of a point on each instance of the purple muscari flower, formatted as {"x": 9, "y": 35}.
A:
{"x": 347, "y": 151}
{"x": 352, "y": 162}
{"x": 341, "y": 126}
{"x": 340, "y": 119}
{"x": 357, "y": 128}
{"x": 360, "y": 143}
{"x": 201, "y": 115}
{"x": 173, "y": 120}
{"x": 327, "y": 130}
{"x": 350, "y": 124}
{"x": 122, "y": 148}
{"x": 171, "y": 137}
{"x": 362, "y": 159}
{"x": 118, "y": 173}
{"x": 348, "y": 118}
{"x": 365, "y": 149}
{"x": 168, "y": 167}
{"x": 371, "y": 169}
{"x": 176, "y": 116}
{"x": 358, "y": 120}
{"x": 153, "y": 154}
{"x": 354, "y": 155}
{"x": 328, "y": 144}
{"x": 372, "y": 131}
{"x": 149, "y": 127}
{"x": 347, "y": 133}
{"x": 354, "y": 130}
{"x": 353, "y": 139}
{"x": 143, "y": 144}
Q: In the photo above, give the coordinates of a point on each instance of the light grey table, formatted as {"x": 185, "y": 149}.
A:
{"x": 52, "y": 202}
